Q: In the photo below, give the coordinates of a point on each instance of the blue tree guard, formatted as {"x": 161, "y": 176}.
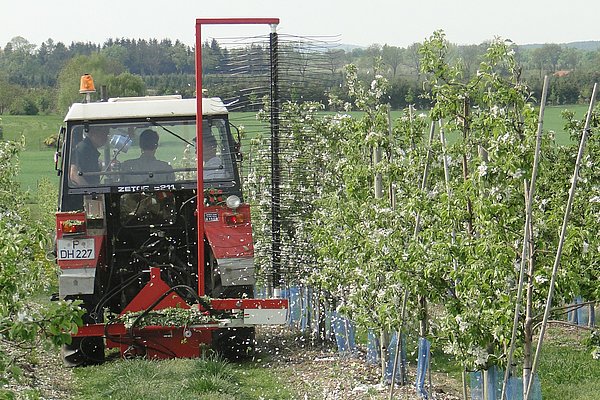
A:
{"x": 295, "y": 305}
{"x": 422, "y": 366}
{"x": 373, "y": 347}
{"x": 400, "y": 363}
{"x": 344, "y": 333}
{"x": 514, "y": 386}
{"x": 580, "y": 316}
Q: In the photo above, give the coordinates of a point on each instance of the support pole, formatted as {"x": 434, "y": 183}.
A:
{"x": 529, "y": 194}
{"x": 398, "y": 349}
{"x": 423, "y": 325}
{"x": 275, "y": 168}
{"x": 453, "y": 232}
{"x": 561, "y": 241}
{"x": 200, "y": 162}
{"x": 422, "y": 299}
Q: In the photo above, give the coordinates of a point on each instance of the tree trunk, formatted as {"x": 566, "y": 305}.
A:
{"x": 528, "y": 328}
{"x": 465, "y": 166}
{"x": 423, "y": 328}
{"x": 527, "y": 356}
{"x": 383, "y": 343}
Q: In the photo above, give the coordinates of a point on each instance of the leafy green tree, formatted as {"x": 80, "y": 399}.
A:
{"x": 183, "y": 58}
{"x": 393, "y": 57}
{"x": 413, "y": 59}
{"x": 454, "y": 241}
{"x": 21, "y": 45}
{"x": 24, "y": 270}
{"x": 546, "y": 57}
{"x": 125, "y": 84}
{"x": 98, "y": 65}
{"x": 23, "y": 106}
{"x": 8, "y": 94}
{"x": 115, "y": 52}
{"x": 211, "y": 57}
{"x": 471, "y": 55}
{"x": 570, "y": 58}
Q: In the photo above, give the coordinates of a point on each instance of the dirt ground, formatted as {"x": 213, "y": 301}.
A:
{"x": 314, "y": 372}
{"x": 42, "y": 373}
{"x": 320, "y": 372}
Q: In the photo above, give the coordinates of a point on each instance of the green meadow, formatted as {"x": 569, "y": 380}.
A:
{"x": 37, "y": 159}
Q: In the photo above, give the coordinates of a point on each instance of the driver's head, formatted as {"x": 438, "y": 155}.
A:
{"x": 148, "y": 140}
{"x": 98, "y": 134}
{"x": 209, "y": 146}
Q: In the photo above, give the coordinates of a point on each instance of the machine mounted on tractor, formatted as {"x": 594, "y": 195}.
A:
{"x": 155, "y": 280}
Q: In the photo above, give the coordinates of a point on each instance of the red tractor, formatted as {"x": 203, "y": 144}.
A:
{"x": 154, "y": 280}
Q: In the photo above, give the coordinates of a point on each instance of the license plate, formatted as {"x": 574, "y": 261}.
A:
{"x": 76, "y": 249}
{"x": 211, "y": 217}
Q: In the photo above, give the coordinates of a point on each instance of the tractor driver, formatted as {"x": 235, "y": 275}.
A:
{"x": 147, "y": 162}
{"x": 86, "y": 157}
{"x": 213, "y": 165}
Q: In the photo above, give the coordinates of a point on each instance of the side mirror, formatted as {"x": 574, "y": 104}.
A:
{"x": 58, "y": 152}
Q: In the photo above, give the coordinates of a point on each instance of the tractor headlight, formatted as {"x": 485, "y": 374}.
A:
{"x": 233, "y": 202}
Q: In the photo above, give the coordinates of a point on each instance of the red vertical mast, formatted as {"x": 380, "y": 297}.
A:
{"x": 199, "y": 144}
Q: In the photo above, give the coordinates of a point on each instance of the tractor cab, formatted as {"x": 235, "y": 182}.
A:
{"x": 111, "y": 148}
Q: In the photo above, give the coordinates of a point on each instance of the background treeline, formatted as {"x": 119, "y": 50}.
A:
{"x": 44, "y": 79}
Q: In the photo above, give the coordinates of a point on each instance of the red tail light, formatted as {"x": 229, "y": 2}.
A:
{"x": 72, "y": 226}
{"x": 234, "y": 219}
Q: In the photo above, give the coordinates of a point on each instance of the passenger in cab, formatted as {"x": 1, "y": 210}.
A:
{"x": 147, "y": 168}
{"x": 85, "y": 165}
{"x": 213, "y": 165}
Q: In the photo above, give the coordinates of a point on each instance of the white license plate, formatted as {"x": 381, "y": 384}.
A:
{"x": 76, "y": 249}
{"x": 211, "y": 217}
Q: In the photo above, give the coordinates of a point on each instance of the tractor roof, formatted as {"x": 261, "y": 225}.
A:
{"x": 142, "y": 107}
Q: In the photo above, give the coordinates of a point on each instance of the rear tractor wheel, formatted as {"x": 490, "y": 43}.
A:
{"x": 83, "y": 351}
{"x": 235, "y": 343}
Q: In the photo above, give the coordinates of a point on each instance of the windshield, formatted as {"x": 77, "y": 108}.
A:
{"x": 147, "y": 153}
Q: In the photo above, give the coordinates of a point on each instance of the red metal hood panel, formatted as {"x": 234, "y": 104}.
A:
{"x": 229, "y": 241}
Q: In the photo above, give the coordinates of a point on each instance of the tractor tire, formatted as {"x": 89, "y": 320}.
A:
{"x": 234, "y": 344}
{"x": 83, "y": 351}
{"x": 87, "y": 350}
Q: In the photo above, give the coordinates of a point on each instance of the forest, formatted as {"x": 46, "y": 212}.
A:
{"x": 43, "y": 79}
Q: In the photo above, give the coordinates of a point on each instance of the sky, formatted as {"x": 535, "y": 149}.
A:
{"x": 355, "y": 22}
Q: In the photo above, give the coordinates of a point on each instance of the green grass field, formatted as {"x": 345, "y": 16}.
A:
{"x": 567, "y": 369}
{"x": 178, "y": 379}
{"x": 36, "y": 160}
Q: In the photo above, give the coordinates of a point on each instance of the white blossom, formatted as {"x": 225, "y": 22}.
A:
{"x": 462, "y": 324}
{"x": 481, "y": 356}
{"x": 482, "y": 170}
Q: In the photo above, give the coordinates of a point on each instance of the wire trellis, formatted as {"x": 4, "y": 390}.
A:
{"x": 298, "y": 69}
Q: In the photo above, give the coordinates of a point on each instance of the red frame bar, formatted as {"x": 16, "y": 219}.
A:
{"x": 218, "y": 304}
{"x": 120, "y": 330}
{"x": 249, "y": 304}
{"x": 200, "y": 161}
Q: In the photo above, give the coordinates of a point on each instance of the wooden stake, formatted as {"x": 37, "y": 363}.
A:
{"x": 529, "y": 193}
{"x": 561, "y": 241}
{"x": 422, "y": 300}
{"x": 464, "y": 383}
